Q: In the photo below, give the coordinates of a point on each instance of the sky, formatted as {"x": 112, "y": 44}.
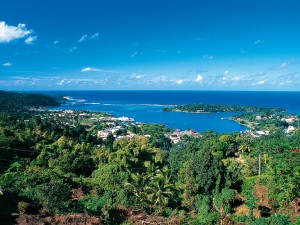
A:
{"x": 251, "y": 45}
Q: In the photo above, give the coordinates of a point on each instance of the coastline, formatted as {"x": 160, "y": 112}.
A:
{"x": 245, "y": 125}
{"x": 147, "y": 106}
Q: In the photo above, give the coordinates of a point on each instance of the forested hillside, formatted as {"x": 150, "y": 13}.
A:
{"x": 18, "y": 102}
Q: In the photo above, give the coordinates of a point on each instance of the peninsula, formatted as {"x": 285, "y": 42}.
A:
{"x": 215, "y": 108}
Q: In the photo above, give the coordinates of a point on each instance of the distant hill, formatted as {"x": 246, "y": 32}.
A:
{"x": 16, "y": 102}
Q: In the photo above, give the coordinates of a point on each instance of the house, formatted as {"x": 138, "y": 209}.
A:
{"x": 103, "y": 133}
{"x": 131, "y": 135}
{"x": 290, "y": 129}
{"x": 125, "y": 119}
{"x": 290, "y": 120}
{"x": 175, "y": 138}
{"x": 259, "y": 133}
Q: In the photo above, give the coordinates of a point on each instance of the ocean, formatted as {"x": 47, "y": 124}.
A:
{"x": 146, "y": 106}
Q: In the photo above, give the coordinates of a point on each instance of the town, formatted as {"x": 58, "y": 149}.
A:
{"x": 101, "y": 125}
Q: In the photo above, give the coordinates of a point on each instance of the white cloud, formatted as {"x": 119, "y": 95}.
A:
{"x": 260, "y": 82}
{"x": 61, "y": 82}
{"x": 236, "y": 78}
{"x": 160, "y": 79}
{"x": 30, "y": 40}
{"x": 9, "y": 33}
{"x": 209, "y": 57}
{"x": 93, "y": 69}
{"x": 87, "y": 37}
{"x": 90, "y": 69}
{"x": 226, "y": 72}
{"x": 199, "y": 78}
{"x": 287, "y": 79}
{"x": 136, "y": 76}
{"x": 72, "y": 49}
{"x": 134, "y": 54}
{"x": 285, "y": 64}
{"x": 257, "y": 42}
{"x": 179, "y": 81}
{"x": 284, "y": 83}
{"x": 224, "y": 78}
{"x": 8, "y": 64}
{"x": 83, "y": 38}
{"x": 94, "y": 36}
{"x": 56, "y": 42}
{"x": 160, "y": 50}
{"x": 78, "y": 81}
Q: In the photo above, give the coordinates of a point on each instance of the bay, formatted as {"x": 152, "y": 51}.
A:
{"x": 146, "y": 106}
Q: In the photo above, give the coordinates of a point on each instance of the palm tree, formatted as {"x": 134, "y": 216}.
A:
{"x": 245, "y": 146}
{"x": 136, "y": 186}
{"x": 160, "y": 189}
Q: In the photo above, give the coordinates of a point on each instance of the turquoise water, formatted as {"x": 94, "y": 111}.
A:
{"x": 146, "y": 106}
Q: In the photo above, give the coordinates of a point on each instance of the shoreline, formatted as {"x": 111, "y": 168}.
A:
{"x": 209, "y": 121}
{"x": 159, "y": 123}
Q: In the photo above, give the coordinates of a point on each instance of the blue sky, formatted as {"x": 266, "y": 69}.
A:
{"x": 150, "y": 44}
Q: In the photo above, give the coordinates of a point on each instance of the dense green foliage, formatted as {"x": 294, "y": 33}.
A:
{"x": 52, "y": 167}
{"x": 198, "y": 108}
